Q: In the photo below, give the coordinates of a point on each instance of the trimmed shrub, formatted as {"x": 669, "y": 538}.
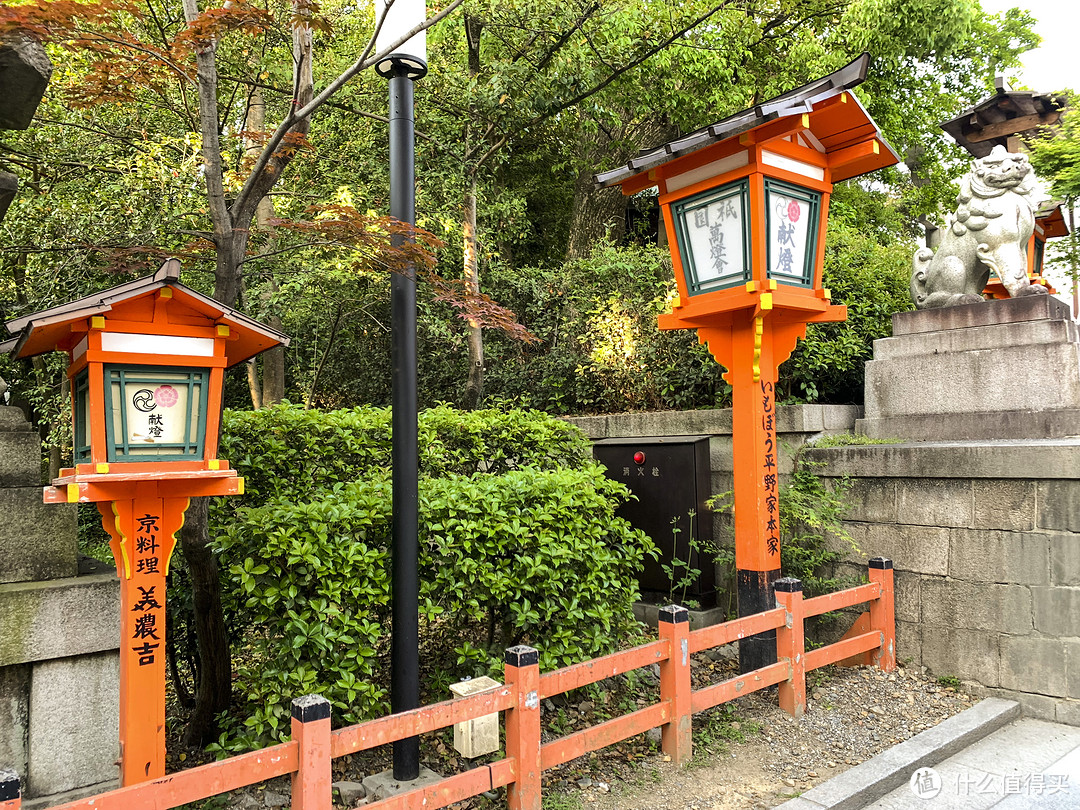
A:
{"x": 518, "y": 544}
{"x": 532, "y": 556}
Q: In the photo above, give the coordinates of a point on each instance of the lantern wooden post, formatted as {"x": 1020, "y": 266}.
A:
{"x": 143, "y": 536}
{"x": 146, "y": 360}
{"x": 744, "y": 204}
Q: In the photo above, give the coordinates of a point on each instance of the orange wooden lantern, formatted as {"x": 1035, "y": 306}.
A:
{"x": 146, "y": 362}
{"x": 1049, "y": 224}
{"x": 745, "y": 203}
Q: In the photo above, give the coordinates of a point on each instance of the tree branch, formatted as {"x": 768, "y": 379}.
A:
{"x": 306, "y": 111}
{"x": 565, "y": 105}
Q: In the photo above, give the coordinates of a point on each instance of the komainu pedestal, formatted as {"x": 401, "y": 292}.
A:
{"x": 1006, "y": 369}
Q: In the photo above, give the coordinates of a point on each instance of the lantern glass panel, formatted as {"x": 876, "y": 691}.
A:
{"x": 713, "y": 232}
{"x": 82, "y": 416}
{"x": 1040, "y": 248}
{"x": 155, "y": 414}
{"x": 791, "y": 220}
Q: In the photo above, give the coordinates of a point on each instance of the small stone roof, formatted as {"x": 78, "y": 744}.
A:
{"x": 41, "y": 332}
{"x": 992, "y": 121}
{"x": 794, "y": 102}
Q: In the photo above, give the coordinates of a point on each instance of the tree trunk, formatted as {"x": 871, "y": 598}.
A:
{"x": 254, "y": 386}
{"x": 271, "y": 389}
{"x": 474, "y": 387}
{"x": 597, "y": 214}
{"x": 214, "y": 691}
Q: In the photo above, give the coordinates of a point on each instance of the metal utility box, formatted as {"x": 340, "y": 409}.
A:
{"x": 670, "y": 477}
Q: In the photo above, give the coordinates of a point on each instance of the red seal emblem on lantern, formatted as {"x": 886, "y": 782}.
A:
{"x": 165, "y": 396}
{"x": 794, "y": 211}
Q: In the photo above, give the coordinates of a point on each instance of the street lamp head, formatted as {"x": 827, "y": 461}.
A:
{"x": 398, "y": 18}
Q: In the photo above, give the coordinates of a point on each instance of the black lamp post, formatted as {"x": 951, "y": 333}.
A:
{"x": 407, "y": 63}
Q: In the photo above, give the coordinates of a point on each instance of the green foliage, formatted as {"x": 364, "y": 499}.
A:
{"x": 600, "y": 348}
{"x": 1055, "y": 156}
{"x": 681, "y": 575}
{"x": 1055, "y": 153}
{"x": 284, "y": 450}
{"x": 871, "y": 278}
{"x": 810, "y": 513}
{"x": 715, "y": 729}
{"x": 509, "y": 553}
{"x": 849, "y": 440}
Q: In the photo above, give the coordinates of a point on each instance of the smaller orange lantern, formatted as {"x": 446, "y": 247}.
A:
{"x": 1049, "y": 224}
{"x": 146, "y": 365}
{"x": 745, "y": 203}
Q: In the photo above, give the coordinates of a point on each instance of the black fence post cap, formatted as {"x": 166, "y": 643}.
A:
{"x": 310, "y": 708}
{"x": 881, "y": 562}
{"x": 522, "y": 656}
{"x": 673, "y": 614}
{"x": 9, "y": 786}
{"x": 788, "y": 585}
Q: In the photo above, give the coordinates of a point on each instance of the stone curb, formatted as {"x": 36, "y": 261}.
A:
{"x": 866, "y": 783}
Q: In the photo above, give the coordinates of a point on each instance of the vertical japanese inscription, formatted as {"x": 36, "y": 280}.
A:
{"x": 151, "y": 619}
{"x": 769, "y": 470}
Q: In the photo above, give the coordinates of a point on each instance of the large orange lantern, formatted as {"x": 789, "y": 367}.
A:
{"x": 745, "y": 203}
{"x": 146, "y": 361}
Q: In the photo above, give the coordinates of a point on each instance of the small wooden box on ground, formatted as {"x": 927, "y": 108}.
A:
{"x": 474, "y": 738}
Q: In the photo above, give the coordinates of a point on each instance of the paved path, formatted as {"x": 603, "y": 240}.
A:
{"x": 1028, "y": 763}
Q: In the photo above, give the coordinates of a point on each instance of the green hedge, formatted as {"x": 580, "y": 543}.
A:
{"x": 532, "y": 556}
{"x": 287, "y": 451}
{"x": 518, "y": 544}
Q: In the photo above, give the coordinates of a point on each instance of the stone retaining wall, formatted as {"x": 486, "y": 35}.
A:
{"x": 59, "y": 638}
{"x": 984, "y": 537}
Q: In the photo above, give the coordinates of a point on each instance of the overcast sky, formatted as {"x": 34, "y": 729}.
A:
{"x": 1056, "y": 64}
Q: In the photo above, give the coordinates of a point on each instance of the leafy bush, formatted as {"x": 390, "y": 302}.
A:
{"x": 531, "y": 556}
{"x": 518, "y": 544}
{"x": 286, "y": 450}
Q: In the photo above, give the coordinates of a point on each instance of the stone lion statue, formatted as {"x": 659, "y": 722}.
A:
{"x": 990, "y": 232}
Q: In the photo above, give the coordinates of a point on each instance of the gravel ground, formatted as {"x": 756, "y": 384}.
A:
{"x": 852, "y": 715}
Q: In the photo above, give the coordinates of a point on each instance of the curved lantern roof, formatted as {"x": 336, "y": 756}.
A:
{"x": 846, "y": 130}
{"x": 52, "y": 329}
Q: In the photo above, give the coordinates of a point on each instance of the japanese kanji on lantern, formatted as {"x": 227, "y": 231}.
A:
{"x": 745, "y": 203}
{"x": 146, "y": 361}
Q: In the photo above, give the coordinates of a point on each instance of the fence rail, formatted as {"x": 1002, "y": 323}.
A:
{"x": 308, "y": 756}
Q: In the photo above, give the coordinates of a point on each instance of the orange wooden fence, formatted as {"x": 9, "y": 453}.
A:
{"x": 314, "y": 745}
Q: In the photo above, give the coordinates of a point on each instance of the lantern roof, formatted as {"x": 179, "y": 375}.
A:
{"x": 48, "y": 330}
{"x": 1050, "y": 218}
{"x": 833, "y": 129}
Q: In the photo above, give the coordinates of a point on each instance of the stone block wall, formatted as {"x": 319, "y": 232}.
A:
{"x": 984, "y": 536}
{"x": 985, "y": 540}
{"x": 59, "y": 638}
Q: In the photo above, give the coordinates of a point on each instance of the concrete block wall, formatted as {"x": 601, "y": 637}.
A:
{"x": 59, "y": 638}
{"x": 985, "y": 539}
